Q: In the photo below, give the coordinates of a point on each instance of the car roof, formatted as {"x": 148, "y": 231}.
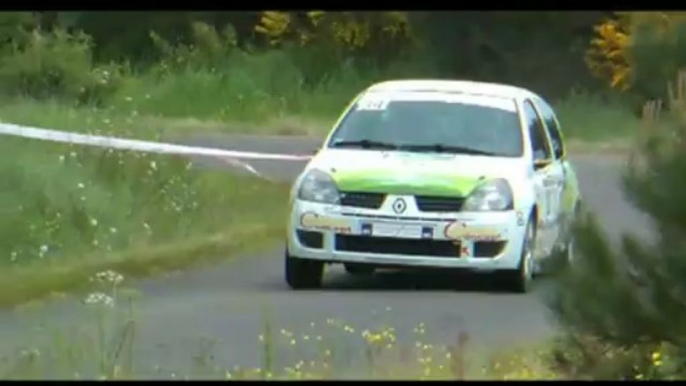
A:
{"x": 453, "y": 86}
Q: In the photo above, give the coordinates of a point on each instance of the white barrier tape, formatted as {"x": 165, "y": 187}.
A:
{"x": 246, "y": 166}
{"x": 143, "y": 146}
{"x": 137, "y": 145}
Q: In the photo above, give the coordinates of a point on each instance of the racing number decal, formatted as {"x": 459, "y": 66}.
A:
{"x": 372, "y": 103}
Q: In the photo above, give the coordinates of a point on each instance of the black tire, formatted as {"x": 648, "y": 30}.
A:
{"x": 303, "y": 273}
{"x": 520, "y": 280}
{"x": 359, "y": 269}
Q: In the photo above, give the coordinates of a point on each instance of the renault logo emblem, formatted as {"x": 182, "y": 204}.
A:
{"x": 399, "y": 206}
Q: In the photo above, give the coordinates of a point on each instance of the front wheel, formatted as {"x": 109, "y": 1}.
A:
{"x": 567, "y": 253}
{"x": 359, "y": 269}
{"x": 303, "y": 273}
{"x": 521, "y": 278}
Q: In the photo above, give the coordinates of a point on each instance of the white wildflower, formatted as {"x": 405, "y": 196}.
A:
{"x": 153, "y": 165}
{"x": 99, "y": 298}
{"x": 72, "y": 154}
{"x": 128, "y": 99}
{"x": 113, "y": 230}
{"x": 32, "y": 352}
{"x": 13, "y": 257}
{"x": 81, "y": 186}
{"x": 109, "y": 276}
{"x": 94, "y": 222}
{"x": 62, "y": 158}
{"x": 42, "y": 251}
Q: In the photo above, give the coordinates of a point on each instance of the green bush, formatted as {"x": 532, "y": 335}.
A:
{"x": 632, "y": 302}
{"x": 209, "y": 49}
{"x": 655, "y": 51}
{"x": 57, "y": 64}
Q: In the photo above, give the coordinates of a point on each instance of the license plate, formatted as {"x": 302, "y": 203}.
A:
{"x": 408, "y": 231}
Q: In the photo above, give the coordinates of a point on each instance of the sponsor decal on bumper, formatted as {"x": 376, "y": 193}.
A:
{"x": 459, "y": 230}
{"x": 313, "y": 220}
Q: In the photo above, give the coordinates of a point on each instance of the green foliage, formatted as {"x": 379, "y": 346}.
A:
{"x": 207, "y": 50}
{"x": 62, "y": 201}
{"x": 57, "y": 64}
{"x": 640, "y": 52}
{"x": 633, "y": 300}
{"x": 657, "y": 53}
{"x": 592, "y": 117}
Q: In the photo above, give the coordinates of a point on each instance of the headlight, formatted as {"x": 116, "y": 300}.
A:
{"x": 495, "y": 195}
{"x": 318, "y": 186}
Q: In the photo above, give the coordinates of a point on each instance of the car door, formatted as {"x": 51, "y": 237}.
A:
{"x": 558, "y": 168}
{"x": 568, "y": 194}
{"x": 548, "y": 176}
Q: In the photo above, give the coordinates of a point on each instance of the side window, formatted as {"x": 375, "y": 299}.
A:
{"x": 539, "y": 140}
{"x": 553, "y": 128}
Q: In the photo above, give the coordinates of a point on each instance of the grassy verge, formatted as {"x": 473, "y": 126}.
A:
{"x": 590, "y": 125}
{"x": 266, "y": 93}
{"x": 70, "y": 211}
{"x": 323, "y": 351}
{"x": 210, "y": 85}
{"x": 105, "y": 345}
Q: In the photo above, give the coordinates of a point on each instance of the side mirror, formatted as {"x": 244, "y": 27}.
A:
{"x": 541, "y": 163}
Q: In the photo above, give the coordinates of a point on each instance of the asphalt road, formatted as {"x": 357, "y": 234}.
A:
{"x": 229, "y": 303}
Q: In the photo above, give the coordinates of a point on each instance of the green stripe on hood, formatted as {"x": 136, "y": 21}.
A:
{"x": 393, "y": 182}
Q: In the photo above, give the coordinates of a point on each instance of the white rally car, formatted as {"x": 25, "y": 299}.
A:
{"x": 435, "y": 174}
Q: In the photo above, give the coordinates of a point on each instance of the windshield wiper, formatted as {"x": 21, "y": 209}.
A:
{"x": 440, "y": 148}
{"x": 366, "y": 144}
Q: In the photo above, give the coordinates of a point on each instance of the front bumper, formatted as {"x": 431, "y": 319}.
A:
{"x": 473, "y": 240}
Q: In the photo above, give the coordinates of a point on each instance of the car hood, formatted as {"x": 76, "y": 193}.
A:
{"x": 413, "y": 173}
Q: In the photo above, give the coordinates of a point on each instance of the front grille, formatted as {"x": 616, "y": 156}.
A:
{"x": 310, "y": 239}
{"x": 488, "y": 248}
{"x": 439, "y": 204}
{"x": 362, "y": 199}
{"x": 397, "y": 246}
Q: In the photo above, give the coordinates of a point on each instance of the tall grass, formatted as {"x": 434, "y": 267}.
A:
{"x": 71, "y": 206}
{"x": 589, "y": 117}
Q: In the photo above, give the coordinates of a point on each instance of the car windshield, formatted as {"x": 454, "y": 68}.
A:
{"x": 432, "y": 122}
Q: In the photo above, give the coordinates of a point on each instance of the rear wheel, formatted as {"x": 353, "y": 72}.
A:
{"x": 359, "y": 269}
{"x": 303, "y": 273}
